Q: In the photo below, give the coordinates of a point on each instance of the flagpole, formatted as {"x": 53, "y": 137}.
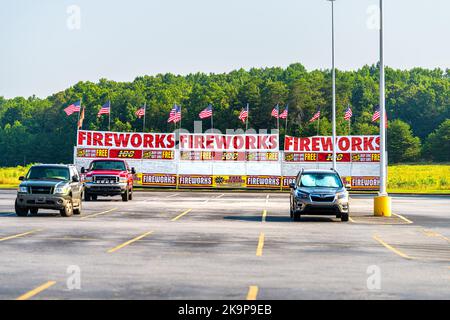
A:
{"x": 79, "y": 115}
{"x": 76, "y": 137}
{"x": 109, "y": 118}
{"x": 278, "y": 118}
{"x": 349, "y": 121}
{"x": 318, "y": 125}
{"x": 145, "y": 111}
{"x": 212, "y": 118}
{"x": 246, "y": 120}
{"x": 287, "y": 115}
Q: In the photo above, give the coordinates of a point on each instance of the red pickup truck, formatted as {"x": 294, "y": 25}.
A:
{"x": 108, "y": 177}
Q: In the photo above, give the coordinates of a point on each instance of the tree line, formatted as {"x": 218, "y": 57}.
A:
{"x": 417, "y": 102}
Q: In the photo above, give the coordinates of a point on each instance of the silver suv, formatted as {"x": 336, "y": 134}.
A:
{"x": 50, "y": 186}
{"x": 319, "y": 192}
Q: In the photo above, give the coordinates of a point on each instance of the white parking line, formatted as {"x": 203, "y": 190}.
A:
{"x": 219, "y": 196}
{"x": 173, "y": 195}
{"x": 267, "y": 198}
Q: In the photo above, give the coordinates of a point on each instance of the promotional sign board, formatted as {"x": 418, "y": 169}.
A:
{"x": 357, "y": 157}
{"x": 230, "y": 161}
{"x": 221, "y": 147}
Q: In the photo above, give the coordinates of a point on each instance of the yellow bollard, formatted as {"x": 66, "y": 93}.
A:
{"x": 382, "y": 206}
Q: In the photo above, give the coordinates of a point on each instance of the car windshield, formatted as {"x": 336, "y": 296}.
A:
{"x": 108, "y": 165}
{"x": 41, "y": 173}
{"x": 321, "y": 180}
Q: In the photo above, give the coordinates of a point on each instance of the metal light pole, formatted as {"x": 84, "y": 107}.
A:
{"x": 382, "y": 203}
{"x": 382, "y": 111}
{"x": 333, "y": 79}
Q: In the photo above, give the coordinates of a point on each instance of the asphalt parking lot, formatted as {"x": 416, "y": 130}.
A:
{"x": 225, "y": 245}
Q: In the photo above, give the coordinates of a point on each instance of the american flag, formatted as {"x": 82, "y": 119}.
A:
{"x": 105, "y": 109}
{"x": 175, "y": 114}
{"x": 315, "y": 116}
{"x": 206, "y": 113}
{"x": 243, "y": 115}
{"x": 140, "y": 112}
{"x": 284, "y": 114}
{"x": 275, "y": 112}
{"x": 348, "y": 113}
{"x": 376, "y": 114}
{"x": 74, "y": 107}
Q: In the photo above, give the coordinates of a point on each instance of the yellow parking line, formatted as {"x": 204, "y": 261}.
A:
{"x": 431, "y": 233}
{"x": 19, "y": 235}
{"x": 259, "y": 249}
{"x": 252, "y": 293}
{"x": 36, "y": 291}
{"x": 391, "y": 248}
{"x": 180, "y": 215}
{"x": 129, "y": 242}
{"x": 264, "y": 215}
{"x": 351, "y": 220}
{"x": 98, "y": 214}
{"x": 403, "y": 218}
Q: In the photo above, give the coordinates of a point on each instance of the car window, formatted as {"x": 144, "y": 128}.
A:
{"x": 40, "y": 173}
{"x": 325, "y": 180}
{"x": 108, "y": 165}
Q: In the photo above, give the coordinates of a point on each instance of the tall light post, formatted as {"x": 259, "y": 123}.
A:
{"x": 333, "y": 80}
{"x": 382, "y": 203}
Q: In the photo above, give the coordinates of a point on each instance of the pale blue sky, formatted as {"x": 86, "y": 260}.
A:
{"x": 120, "y": 39}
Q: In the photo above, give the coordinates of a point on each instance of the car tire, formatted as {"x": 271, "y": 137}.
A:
{"x": 21, "y": 211}
{"x": 77, "y": 211}
{"x": 34, "y": 211}
{"x": 130, "y": 196}
{"x": 344, "y": 217}
{"x": 68, "y": 209}
{"x": 297, "y": 216}
{"x": 125, "y": 196}
{"x": 87, "y": 196}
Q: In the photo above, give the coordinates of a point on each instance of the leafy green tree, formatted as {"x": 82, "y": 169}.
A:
{"x": 402, "y": 145}
{"x": 437, "y": 145}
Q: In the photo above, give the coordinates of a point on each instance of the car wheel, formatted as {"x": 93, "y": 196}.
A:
{"x": 344, "y": 217}
{"x": 77, "y": 211}
{"x": 87, "y": 196}
{"x": 68, "y": 209}
{"x": 34, "y": 211}
{"x": 130, "y": 196}
{"x": 125, "y": 196}
{"x": 297, "y": 216}
{"x": 21, "y": 211}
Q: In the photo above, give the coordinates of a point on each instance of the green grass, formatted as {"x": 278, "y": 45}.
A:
{"x": 419, "y": 178}
{"x": 9, "y": 177}
{"x": 411, "y": 178}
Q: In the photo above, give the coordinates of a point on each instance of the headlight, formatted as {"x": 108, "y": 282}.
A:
{"x": 302, "y": 195}
{"x": 342, "y": 195}
{"x": 123, "y": 180}
{"x": 23, "y": 189}
{"x": 62, "y": 190}
{"x": 88, "y": 179}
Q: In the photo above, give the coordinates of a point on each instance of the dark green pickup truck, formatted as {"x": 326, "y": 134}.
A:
{"x": 50, "y": 186}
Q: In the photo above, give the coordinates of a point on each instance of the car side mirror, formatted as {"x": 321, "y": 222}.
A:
{"x": 348, "y": 186}
{"x": 292, "y": 185}
{"x": 133, "y": 171}
{"x": 83, "y": 170}
{"x": 75, "y": 179}
{"x": 21, "y": 178}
